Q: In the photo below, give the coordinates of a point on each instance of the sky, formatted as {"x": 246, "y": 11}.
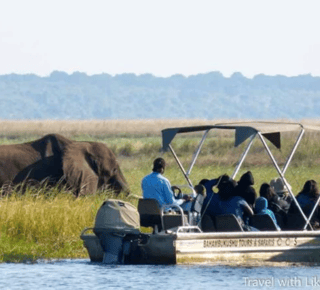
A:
{"x": 163, "y": 38}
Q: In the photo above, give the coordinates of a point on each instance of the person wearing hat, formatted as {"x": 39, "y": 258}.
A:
{"x": 280, "y": 189}
{"x": 156, "y": 186}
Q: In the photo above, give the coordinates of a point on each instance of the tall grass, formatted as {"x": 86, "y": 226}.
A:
{"x": 41, "y": 226}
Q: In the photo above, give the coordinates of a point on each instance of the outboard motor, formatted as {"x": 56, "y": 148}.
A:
{"x": 116, "y": 222}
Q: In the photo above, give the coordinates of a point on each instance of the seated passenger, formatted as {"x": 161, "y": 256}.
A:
{"x": 261, "y": 207}
{"x": 231, "y": 204}
{"x": 156, "y": 186}
{"x": 211, "y": 202}
{"x": 200, "y": 189}
{"x": 307, "y": 199}
{"x": 281, "y": 190}
{"x": 208, "y": 184}
{"x": 278, "y": 206}
{"x": 245, "y": 189}
{"x": 197, "y": 202}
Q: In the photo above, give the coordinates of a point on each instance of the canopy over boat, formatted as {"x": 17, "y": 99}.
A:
{"x": 243, "y": 130}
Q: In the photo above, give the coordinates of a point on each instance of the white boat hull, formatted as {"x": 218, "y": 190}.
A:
{"x": 249, "y": 246}
{"x": 230, "y": 248}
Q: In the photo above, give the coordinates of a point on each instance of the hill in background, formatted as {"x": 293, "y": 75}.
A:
{"x": 128, "y": 96}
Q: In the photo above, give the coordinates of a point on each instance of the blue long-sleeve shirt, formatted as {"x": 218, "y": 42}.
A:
{"x": 156, "y": 186}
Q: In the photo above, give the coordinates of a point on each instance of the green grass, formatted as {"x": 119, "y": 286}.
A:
{"x": 46, "y": 224}
{"x": 38, "y": 226}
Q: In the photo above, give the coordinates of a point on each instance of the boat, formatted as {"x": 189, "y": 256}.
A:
{"x": 175, "y": 240}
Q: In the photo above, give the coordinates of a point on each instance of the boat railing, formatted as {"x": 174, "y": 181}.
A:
{"x": 172, "y": 206}
{"x": 185, "y": 229}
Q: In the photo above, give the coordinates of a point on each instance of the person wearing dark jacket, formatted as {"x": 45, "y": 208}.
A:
{"x": 245, "y": 189}
{"x": 210, "y": 204}
{"x": 307, "y": 199}
{"x": 230, "y": 203}
{"x": 279, "y": 206}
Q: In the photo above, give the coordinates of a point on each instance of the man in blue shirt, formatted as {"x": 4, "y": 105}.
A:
{"x": 156, "y": 186}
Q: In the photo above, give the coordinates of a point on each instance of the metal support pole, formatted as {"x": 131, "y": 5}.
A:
{"x": 243, "y": 157}
{"x": 196, "y": 154}
{"x": 311, "y": 214}
{"x": 282, "y": 176}
{"x": 285, "y": 167}
{"x": 180, "y": 165}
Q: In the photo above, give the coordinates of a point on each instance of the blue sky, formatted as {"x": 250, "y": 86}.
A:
{"x": 160, "y": 37}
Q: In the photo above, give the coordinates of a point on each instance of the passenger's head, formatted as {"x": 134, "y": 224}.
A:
{"x": 227, "y": 189}
{"x": 203, "y": 181}
{"x": 266, "y": 191}
{"x": 279, "y": 187}
{"x": 261, "y": 204}
{"x": 159, "y": 165}
{"x": 246, "y": 179}
{"x": 311, "y": 188}
{"x": 200, "y": 189}
{"x": 222, "y": 179}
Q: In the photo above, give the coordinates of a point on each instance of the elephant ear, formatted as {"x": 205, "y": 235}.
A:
{"x": 78, "y": 174}
{"x": 52, "y": 144}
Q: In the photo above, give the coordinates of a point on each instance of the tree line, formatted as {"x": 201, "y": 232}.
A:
{"x": 129, "y": 96}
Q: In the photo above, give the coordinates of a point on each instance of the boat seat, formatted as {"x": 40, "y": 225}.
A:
{"x": 207, "y": 224}
{"x": 281, "y": 220}
{"x": 172, "y": 220}
{"x": 150, "y": 213}
{"x": 151, "y": 216}
{"x": 263, "y": 222}
{"x": 295, "y": 222}
{"x": 227, "y": 223}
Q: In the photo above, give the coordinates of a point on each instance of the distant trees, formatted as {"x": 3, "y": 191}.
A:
{"x": 130, "y": 96}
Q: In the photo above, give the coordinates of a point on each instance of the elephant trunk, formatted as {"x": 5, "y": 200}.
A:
{"x": 116, "y": 183}
{"x": 120, "y": 185}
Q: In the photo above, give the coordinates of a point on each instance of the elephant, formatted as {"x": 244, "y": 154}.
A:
{"x": 84, "y": 167}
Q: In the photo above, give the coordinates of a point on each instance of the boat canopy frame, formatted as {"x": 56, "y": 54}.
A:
{"x": 244, "y": 131}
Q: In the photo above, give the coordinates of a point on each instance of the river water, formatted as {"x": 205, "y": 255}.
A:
{"x": 82, "y": 274}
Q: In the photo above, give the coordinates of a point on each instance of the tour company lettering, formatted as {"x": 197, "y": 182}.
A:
{"x": 260, "y": 242}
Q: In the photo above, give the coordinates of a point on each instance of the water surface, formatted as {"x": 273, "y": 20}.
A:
{"x": 82, "y": 274}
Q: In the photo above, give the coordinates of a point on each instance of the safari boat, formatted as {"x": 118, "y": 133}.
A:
{"x": 117, "y": 238}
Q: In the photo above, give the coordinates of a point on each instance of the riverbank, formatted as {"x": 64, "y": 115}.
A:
{"x": 44, "y": 226}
